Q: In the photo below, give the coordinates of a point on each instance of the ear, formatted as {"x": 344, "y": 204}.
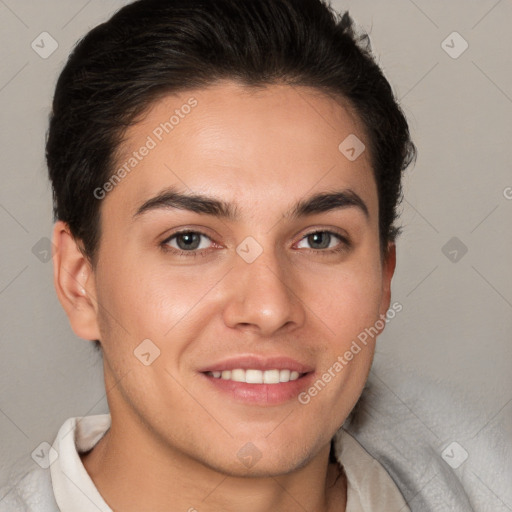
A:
{"x": 73, "y": 279}
{"x": 388, "y": 269}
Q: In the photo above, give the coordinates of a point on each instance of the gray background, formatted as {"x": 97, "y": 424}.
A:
{"x": 449, "y": 349}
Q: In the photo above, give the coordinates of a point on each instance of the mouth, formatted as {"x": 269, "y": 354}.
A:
{"x": 259, "y": 380}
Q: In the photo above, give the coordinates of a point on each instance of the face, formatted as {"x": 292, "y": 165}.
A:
{"x": 221, "y": 314}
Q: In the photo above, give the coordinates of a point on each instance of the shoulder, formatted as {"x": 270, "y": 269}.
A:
{"x": 369, "y": 486}
{"x": 28, "y": 490}
{"x": 399, "y": 439}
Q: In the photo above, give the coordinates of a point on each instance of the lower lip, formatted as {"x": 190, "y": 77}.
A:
{"x": 262, "y": 394}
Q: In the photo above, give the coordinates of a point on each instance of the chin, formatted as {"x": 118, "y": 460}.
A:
{"x": 258, "y": 460}
{"x": 259, "y": 469}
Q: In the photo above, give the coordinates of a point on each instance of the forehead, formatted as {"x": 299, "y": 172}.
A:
{"x": 260, "y": 147}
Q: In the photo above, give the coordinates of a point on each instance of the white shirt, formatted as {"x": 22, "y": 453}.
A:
{"x": 71, "y": 489}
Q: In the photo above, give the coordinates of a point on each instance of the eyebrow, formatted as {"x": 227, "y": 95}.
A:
{"x": 171, "y": 198}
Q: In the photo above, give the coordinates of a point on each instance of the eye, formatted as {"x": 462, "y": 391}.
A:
{"x": 194, "y": 243}
{"x": 322, "y": 240}
{"x": 187, "y": 241}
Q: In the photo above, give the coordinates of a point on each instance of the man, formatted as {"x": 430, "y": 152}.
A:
{"x": 225, "y": 179}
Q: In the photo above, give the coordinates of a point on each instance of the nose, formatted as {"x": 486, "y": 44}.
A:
{"x": 262, "y": 296}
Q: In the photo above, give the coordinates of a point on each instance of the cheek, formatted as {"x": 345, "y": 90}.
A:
{"x": 348, "y": 303}
{"x": 151, "y": 301}
{"x": 348, "y": 310}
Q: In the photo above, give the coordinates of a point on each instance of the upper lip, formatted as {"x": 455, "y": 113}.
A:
{"x": 256, "y": 362}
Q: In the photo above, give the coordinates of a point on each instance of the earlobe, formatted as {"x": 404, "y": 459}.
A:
{"x": 74, "y": 283}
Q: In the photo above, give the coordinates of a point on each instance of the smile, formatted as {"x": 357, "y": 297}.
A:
{"x": 253, "y": 376}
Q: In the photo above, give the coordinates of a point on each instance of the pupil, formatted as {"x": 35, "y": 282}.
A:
{"x": 316, "y": 238}
{"x": 191, "y": 240}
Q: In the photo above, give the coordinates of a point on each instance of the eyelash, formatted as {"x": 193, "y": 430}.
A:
{"x": 342, "y": 247}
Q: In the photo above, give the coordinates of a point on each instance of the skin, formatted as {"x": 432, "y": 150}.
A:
{"x": 174, "y": 437}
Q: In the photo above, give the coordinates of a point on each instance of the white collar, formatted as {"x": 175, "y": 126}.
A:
{"x": 73, "y": 487}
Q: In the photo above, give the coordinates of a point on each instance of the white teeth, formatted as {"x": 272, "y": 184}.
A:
{"x": 252, "y": 376}
{"x": 284, "y": 375}
{"x": 238, "y": 375}
{"x": 271, "y": 377}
